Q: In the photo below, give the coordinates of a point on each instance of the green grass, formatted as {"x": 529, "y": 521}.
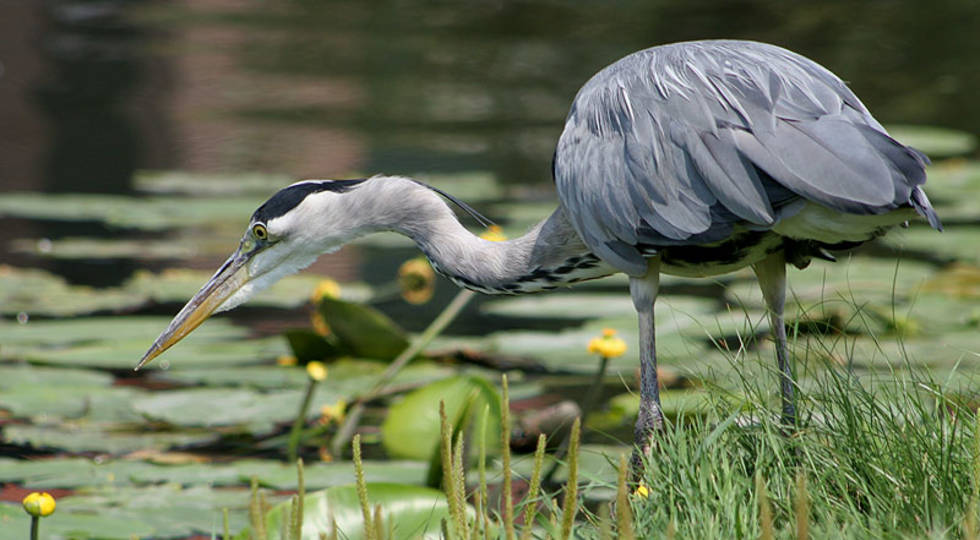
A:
{"x": 884, "y": 456}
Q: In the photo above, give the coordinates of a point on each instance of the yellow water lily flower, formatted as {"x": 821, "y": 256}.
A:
{"x": 417, "y": 280}
{"x": 333, "y": 413}
{"x": 493, "y": 234}
{"x": 327, "y": 288}
{"x": 316, "y": 370}
{"x": 608, "y": 345}
{"x": 39, "y": 504}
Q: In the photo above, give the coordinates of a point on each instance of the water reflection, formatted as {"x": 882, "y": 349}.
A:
{"x": 332, "y": 89}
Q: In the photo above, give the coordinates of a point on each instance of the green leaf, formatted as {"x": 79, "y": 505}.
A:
{"x": 101, "y": 437}
{"x": 364, "y": 331}
{"x": 411, "y": 429}
{"x": 411, "y": 512}
{"x": 308, "y": 346}
{"x": 936, "y": 142}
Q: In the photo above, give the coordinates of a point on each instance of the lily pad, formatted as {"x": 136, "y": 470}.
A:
{"x": 36, "y": 292}
{"x": 100, "y": 248}
{"x": 153, "y": 213}
{"x": 209, "y": 184}
{"x": 470, "y": 187}
{"x": 411, "y": 512}
{"x": 164, "y": 511}
{"x": 51, "y": 333}
{"x": 411, "y": 429}
{"x": 108, "y": 525}
{"x": 178, "y": 285}
{"x": 106, "y": 438}
{"x": 124, "y": 354}
{"x": 934, "y": 141}
{"x": 954, "y": 188}
{"x": 46, "y": 403}
{"x": 961, "y": 244}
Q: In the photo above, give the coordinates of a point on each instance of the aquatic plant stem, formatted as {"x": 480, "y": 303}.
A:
{"x": 590, "y": 401}
{"x": 292, "y": 447}
{"x": 34, "y": 526}
{"x": 435, "y": 328}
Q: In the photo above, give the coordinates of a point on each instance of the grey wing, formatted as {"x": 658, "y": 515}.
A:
{"x": 675, "y": 145}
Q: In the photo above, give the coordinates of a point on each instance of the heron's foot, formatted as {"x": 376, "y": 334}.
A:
{"x": 647, "y": 437}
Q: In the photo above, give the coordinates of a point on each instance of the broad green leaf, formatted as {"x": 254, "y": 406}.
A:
{"x": 411, "y": 512}
{"x": 13, "y": 377}
{"x": 95, "y": 329}
{"x": 210, "y": 184}
{"x": 102, "y": 438}
{"x": 363, "y": 331}
{"x": 153, "y": 213}
{"x": 936, "y": 142}
{"x": 178, "y": 285}
{"x": 46, "y": 403}
{"x": 36, "y": 292}
{"x": 308, "y": 346}
{"x": 106, "y": 524}
{"x": 411, "y": 429}
{"x": 124, "y": 354}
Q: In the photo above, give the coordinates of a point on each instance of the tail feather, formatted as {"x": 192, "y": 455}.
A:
{"x": 920, "y": 202}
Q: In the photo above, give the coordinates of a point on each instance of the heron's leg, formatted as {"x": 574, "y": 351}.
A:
{"x": 771, "y": 272}
{"x": 650, "y": 419}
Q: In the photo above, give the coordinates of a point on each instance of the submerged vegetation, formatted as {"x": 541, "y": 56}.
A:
{"x": 885, "y": 344}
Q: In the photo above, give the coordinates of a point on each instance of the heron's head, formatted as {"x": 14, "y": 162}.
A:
{"x": 285, "y": 234}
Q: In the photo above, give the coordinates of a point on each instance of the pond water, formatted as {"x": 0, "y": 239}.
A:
{"x": 137, "y": 137}
{"x": 91, "y": 93}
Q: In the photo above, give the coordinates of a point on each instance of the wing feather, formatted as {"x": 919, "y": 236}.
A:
{"x": 677, "y": 144}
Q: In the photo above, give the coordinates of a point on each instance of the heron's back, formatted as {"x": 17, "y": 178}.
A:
{"x": 699, "y": 143}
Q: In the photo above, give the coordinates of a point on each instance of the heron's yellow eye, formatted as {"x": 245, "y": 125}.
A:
{"x": 259, "y": 232}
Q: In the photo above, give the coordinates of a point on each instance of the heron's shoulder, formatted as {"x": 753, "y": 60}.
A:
{"x": 707, "y": 70}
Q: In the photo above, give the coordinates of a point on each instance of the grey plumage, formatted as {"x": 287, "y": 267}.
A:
{"x": 695, "y": 159}
{"x": 678, "y": 144}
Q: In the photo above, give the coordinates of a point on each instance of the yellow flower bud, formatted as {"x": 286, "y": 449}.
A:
{"x": 327, "y": 288}
{"x": 286, "y": 360}
{"x": 493, "y": 234}
{"x": 417, "y": 280}
{"x": 333, "y": 413}
{"x": 642, "y": 491}
{"x": 607, "y": 346}
{"x": 316, "y": 370}
{"x": 319, "y": 324}
{"x": 39, "y": 504}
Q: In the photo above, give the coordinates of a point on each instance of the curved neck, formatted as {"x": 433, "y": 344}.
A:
{"x": 551, "y": 254}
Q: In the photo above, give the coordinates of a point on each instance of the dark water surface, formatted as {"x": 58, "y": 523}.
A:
{"x": 92, "y": 91}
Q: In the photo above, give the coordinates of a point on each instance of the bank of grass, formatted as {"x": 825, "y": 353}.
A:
{"x": 883, "y": 456}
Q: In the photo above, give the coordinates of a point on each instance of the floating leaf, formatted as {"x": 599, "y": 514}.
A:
{"x": 178, "y": 285}
{"x": 961, "y": 244}
{"x": 411, "y": 512}
{"x": 153, "y": 213}
{"x": 105, "y": 524}
{"x": 36, "y": 292}
{"x": 103, "y": 438}
{"x": 209, "y": 184}
{"x": 935, "y": 141}
{"x": 363, "y": 331}
{"x": 411, "y": 429}
{"x": 45, "y": 403}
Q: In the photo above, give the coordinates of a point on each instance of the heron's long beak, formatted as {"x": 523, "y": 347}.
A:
{"x": 226, "y": 281}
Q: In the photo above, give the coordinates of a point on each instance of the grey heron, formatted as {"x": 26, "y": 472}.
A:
{"x": 692, "y": 159}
